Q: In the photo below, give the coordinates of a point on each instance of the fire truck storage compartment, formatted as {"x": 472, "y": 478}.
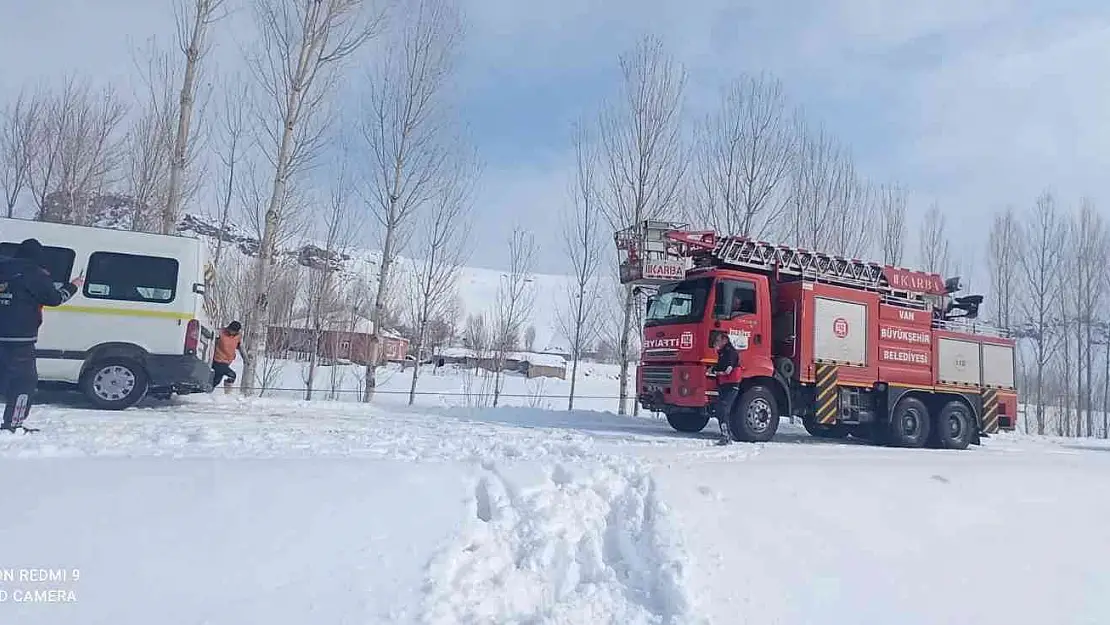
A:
{"x": 840, "y": 331}
{"x": 998, "y": 365}
{"x": 957, "y": 361}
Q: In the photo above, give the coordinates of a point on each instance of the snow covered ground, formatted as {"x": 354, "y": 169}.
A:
{"x": 219, "y": 509}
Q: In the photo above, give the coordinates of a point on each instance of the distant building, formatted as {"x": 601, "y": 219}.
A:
{"x": 529, "y": 364}
{"x": 347, "y": 338}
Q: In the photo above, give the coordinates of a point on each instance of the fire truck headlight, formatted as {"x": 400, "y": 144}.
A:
{"x": 684, "y": 391}
{"x": 685, "y": 376}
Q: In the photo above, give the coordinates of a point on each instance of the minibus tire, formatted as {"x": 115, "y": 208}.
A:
{"x": 125, "y": 370}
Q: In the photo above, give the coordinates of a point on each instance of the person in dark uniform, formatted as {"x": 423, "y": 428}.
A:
{"x": 727, "y": 372}
{"x": 25, "y": 287}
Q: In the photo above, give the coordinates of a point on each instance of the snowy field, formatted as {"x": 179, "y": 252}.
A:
{"x": 219, "y": 509}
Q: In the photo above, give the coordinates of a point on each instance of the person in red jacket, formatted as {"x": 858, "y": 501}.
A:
{"x": 227, "y": 345}
{"x": 727, "y": 372}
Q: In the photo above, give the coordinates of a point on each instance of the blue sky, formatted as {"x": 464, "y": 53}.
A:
{"x": 974, "y": 105}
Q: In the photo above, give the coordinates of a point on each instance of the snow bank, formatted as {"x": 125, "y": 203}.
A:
{"x": 584, "y": 546}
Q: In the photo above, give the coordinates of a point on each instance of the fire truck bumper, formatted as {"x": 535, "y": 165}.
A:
{"x": 672, "y": 386}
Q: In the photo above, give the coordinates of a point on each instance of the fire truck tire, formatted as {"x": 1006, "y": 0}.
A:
{"x": 825, "y": 431}
{"x": 909, "y": 424}
{"x": 954, "y": 425}
{"x": 755, "y": 417}
{"x": 688, "y": 422}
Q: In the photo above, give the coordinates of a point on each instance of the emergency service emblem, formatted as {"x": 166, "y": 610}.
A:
{"x": 686, "y": 341}
{"x": 840, "y": 328}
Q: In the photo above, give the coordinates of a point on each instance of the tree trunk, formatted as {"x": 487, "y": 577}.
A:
{"x": 172, "y": 212}
{"x": 1106, "y": 390}
{"x": 1040, "y": 384}
{"x": 1064, "y": 429}
{"x": 420, "y": 338}
{"x": 499, "y": 365}
{"x": 579, "y": 314}
{"x": 625, "y": 348}
{"x": 266, "y": 252}
{"x": 379, "y": 307}
{"x": 311, "y": 369}
{"x": 1079, "y": 377}
{"x": 1087, "y": 404}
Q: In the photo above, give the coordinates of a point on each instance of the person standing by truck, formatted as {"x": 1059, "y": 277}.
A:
{"x": 727, "y": 372}
{"x": 227, "y": 345}
{"x": 25, "y": 287}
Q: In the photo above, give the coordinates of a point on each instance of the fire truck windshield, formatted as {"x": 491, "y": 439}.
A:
{"x": 681, "y": 302}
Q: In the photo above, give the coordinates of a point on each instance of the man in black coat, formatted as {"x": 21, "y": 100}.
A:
{"x": 25, "y": 287}
{"x": 728, "y": 374}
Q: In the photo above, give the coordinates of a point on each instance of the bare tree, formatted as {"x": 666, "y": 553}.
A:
{"x": 323, "y": 298}
{"x": 287, "y": 281}
{"x": 1004, "y": 250}
{"x": 18, "y": 124}
{"x": 822, "y": 184}
{"x": 1041, "y": 262}
{"x": 578, "y": 314}
{"x": 1090, "y": 255}
{"x": 78, "y": 151}
{"x": 407, "y": 132}
{"x": 743, "y": 158}
{"x": 891, "y": 206}
{"x": 478, "y": 337}
{"x": 933, "y": 254}
{"x": 150, "y": 143}
{"x": 194, "y": 19}
{"x": 852, "y": 232}
{"x": 230, "y": 153}
{"x": 443, "y": 250}
{"x": 297, "y": 64}
{"x": 514, "y": 303}
{"x": 643, "y": 161}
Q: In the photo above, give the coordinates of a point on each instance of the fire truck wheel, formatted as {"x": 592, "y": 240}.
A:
{"x": 825, "y": 431}
{"x": 688, "y": 422}
{"x": 909, "y": 423}
{"x": 755, "y": 418}
{"x": 953, "y": 426}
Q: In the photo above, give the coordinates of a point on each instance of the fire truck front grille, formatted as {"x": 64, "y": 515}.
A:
{"x": 657, "y": 376}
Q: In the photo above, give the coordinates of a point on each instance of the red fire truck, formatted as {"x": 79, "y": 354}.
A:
{"x": 852, "y": 347}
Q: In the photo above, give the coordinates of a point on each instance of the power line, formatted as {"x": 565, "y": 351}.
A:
{"x": 444, "y": 394}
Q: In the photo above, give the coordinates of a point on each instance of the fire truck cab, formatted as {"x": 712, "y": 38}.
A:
{"x": 850, "y": 347}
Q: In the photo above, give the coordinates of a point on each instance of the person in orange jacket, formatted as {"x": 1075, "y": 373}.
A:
{"x": 227, "y": 345}
{"x": 727, "y": 372}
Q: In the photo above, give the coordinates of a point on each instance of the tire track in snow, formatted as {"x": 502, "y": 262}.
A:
{"x": 591, "y": 548}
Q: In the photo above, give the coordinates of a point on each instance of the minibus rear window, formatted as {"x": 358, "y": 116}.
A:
{"x": 131, "y": 277}
{"x": 58, "y": 260}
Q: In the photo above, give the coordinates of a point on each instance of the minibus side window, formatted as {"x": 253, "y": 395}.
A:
{"x": 58, "y": 260}
{"x": 131, "y": 277}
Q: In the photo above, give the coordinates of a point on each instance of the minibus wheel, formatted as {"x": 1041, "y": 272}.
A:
{"x": 115, "y": 383}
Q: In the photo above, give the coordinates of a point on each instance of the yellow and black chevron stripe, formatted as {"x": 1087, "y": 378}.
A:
{"x": 989, "y": 419}
{"x": 827, "y": 405}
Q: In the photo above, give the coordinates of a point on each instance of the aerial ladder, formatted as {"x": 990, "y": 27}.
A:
{"x": 657, "y": 252}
